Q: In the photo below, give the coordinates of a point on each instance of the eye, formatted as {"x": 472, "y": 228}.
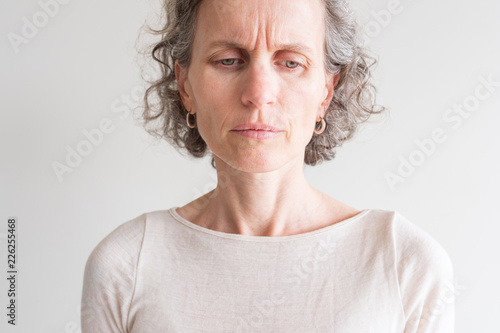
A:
{"x": 291, "y": 64}
{"x": 228, "y": 62}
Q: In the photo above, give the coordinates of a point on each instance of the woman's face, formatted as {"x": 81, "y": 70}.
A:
{"x": 257, "y": 81}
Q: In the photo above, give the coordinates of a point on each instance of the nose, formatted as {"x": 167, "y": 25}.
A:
{"x": 260, "y": 86}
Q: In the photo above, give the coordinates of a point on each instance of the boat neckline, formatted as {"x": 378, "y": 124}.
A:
{"x": 192, "y": 225}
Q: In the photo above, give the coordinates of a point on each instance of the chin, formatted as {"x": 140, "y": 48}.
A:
{"x": 255, "y": 162}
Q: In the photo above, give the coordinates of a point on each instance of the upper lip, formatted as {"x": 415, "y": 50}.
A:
{"x": 256, "y": 127}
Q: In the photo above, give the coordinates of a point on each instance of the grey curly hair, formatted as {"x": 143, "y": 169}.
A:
{"x": 353, "y": 101}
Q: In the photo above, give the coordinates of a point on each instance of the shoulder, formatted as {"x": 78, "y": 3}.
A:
{"x": 111, "y": 274}
{"x": 122, "y": 244}
{"x": 109, "y": 278}
{"x": 416, "y": 249}
{"x": 120, "y": 250}
{"x": 409, "y": 241}
{"x": 413, "y": 247}
{"x": 424, "y": 273}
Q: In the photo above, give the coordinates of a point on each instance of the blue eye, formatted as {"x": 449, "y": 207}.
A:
{"x": 291, "y": 64}
{"x": 228, "y": 62}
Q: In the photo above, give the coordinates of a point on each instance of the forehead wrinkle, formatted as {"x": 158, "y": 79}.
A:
{"x": 267, "y": 25}
{"x": 275, "y": 26}
{"x": 232, "y": 27}
{"x": 259, "y": 27}
{"x": 250, "y": 27}
{"x": 277, "y": 32}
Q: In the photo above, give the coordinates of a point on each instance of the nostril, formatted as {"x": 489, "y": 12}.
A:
{"x": 259, "y": 89}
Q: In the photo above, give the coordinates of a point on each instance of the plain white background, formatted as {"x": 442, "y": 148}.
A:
{"x": 80, "y": 67}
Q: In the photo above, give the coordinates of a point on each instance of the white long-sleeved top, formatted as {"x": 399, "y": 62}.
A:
{"x": 374, "y": 272}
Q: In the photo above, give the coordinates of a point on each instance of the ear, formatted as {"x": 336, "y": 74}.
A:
{"x": 185, "y": 90}
{"x": 331, "y": 83}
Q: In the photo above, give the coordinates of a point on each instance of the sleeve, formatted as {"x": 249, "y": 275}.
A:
{"x": 109, "y": 279}
{"x": 426, "y": 280}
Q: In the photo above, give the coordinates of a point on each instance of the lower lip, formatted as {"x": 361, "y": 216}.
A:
{"x": 255, "y": 134}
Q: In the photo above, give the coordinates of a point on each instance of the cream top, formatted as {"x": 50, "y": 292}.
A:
{"x": 374, "y": 272}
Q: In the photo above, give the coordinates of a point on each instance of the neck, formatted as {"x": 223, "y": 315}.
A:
{"x": 260, "y": 204}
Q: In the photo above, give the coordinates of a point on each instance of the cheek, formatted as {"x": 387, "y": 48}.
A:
{"x": 213, "y": 90}
{"x": 212, "y": 105}
{"x": 303, "y": 103}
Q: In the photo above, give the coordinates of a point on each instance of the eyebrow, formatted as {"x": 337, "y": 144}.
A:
{"x": 294, "y": 47}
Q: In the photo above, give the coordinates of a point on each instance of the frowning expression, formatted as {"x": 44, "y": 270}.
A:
{"x": 257, "y": 80}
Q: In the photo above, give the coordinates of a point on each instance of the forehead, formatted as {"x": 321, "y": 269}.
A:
{"x": 261, "y": 23}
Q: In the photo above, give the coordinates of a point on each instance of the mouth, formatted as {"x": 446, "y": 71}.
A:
{"x": 257, "y": 131}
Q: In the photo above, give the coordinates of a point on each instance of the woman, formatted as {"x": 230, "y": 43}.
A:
{"x": 265, "y": 86}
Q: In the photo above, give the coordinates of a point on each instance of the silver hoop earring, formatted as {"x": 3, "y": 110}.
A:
{"x": 323, "y": 127}
{"x": 191, "y": 123}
